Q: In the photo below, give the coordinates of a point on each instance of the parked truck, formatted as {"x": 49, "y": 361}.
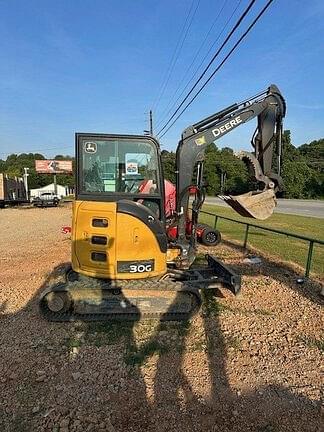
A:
{"x": 46, "y": 199}
{"x": 12, "y": 190}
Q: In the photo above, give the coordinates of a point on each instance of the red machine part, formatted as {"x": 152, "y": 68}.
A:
{"x": 170, "y": 195}
{"x": 66, "y": 229}
{"x": 205, "y": 234}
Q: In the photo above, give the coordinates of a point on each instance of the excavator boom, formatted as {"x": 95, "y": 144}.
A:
{"x": 265, "y": 160}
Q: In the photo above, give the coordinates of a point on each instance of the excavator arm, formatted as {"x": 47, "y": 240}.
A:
{"x": 265, "y": 159}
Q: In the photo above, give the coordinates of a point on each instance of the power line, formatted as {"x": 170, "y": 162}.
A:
{"x": 221, "y": 64}
{"x": 183, "y": 35}
{"x": 210, "y": 62}
{"x": 158, "y": 97}
{"x": 168, "y": 111}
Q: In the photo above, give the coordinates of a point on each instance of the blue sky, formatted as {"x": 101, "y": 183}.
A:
{"x": 98, "y": 66}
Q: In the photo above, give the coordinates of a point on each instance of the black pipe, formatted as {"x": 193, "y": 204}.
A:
{"x": 215, "y": 116}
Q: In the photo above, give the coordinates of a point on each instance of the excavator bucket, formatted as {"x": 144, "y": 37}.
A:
{"x": 257, "y": 205}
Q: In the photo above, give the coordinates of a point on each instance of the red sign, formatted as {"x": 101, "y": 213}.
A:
{"x": 53, "y": 166}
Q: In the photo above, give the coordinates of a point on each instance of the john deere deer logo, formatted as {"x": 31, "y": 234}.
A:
{"x": 90, "y": 147}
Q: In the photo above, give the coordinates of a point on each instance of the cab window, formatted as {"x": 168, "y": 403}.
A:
{"x": 119, "y": 166}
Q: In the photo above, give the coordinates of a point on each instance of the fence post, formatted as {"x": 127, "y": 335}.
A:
{"x": 215, "y": 222}
{"x": 309, "y": 258}
{"x": 246, "y": 235}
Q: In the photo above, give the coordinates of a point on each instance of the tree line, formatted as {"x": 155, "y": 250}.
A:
{"x": 302, "y": 170}
{"x": 14, "y": 166}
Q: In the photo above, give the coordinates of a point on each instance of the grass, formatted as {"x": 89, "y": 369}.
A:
{"x": 262, "y": 312}
{"x": 233, "y": 342}
{"x": 68, "y": 198}
{"x": 108, "y": 333}
{"x": 210, "y": 306}
{"x": 73, "y": 342}
{"x": 198, "y": 346}
{"x": 137, "y": 356}
{"x": 182, "y": 327}
{"x": 312, "y": 342}
{"x": 280, "y": 246}
{"x": 138, "y": 340}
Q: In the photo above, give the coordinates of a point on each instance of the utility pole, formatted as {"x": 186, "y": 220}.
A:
{"x": 150, "y": 131}
{"x": 151, "y": 123}
{"x": 55, "y": 184}
{"x": 25, "y": 177}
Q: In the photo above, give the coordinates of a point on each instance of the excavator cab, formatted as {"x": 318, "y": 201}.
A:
{"x": 114, "y": 167}
{"x": 118, "y": 214}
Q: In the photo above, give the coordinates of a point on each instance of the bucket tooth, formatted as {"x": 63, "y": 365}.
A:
{"x": 257, "y": 205}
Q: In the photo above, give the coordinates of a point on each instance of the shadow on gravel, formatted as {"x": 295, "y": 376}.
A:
{"x": 269, "y": 408}
{"x": 62, "y": 389}
{"x": 281, "y": 272}
{"x": 73, "y": 387}
{"x": 177, "y": 407}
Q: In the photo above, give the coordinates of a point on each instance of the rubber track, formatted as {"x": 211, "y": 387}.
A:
{"x": 133, "y": 285}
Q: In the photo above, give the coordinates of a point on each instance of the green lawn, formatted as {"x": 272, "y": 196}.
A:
{"x": 287, "y": 248}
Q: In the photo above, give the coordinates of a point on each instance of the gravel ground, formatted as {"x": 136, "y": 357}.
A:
{"x": 251, "y": 363}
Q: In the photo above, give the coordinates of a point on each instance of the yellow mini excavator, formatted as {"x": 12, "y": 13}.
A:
{"x": 125, "y": 265}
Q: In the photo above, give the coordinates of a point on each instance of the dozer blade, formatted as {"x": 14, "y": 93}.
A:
{"x": 257, "y": 205}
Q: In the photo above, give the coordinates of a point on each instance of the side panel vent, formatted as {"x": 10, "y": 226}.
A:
{"x": 99, "y": 240}
{"x": 99, "y": 256}
{"x": 99, "y": 223}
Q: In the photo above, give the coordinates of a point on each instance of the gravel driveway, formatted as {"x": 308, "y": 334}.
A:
{"x": 251, "y": 363}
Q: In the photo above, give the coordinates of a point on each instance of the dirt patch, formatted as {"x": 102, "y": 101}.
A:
{"x": 251, "y": 363}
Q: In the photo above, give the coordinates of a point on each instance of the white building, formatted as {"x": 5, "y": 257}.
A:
{"x": 62, "y": 191}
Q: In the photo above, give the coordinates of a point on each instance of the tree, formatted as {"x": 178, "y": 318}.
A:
{"x": 289, "y": 151}
{"x": 14, "y": 166}
{"x": 314, "y": 154}
{"x": 223, "y": 164}
{"x": 217, "y": 163}
{"x": 236, "y": 172}
{"x": 296, "y": 176}
{"x": 168, "y": 162}
{"x": 211, "y": 174}
{"x": 303, "y": 168}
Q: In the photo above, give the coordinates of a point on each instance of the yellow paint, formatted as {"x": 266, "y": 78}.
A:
{"x": 129, "y": 239}
{"x": 172, "y": 254}
{"x": 200, "y": 141}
